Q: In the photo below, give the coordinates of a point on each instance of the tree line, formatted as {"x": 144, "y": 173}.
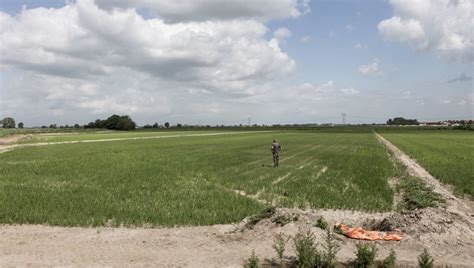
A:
{"x": 9, "y": 122}
{"x": 114, "y": 122}
{"x": 400, "y": 121}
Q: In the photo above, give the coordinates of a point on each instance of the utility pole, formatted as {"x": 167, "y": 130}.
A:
{"x": 344, "y": 118}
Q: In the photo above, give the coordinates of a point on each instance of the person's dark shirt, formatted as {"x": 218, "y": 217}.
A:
{"x": 276, "y": 147}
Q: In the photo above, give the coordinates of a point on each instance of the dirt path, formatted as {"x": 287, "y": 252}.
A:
{"x": 9, "y": 143}
{"x": 462, "y": 207}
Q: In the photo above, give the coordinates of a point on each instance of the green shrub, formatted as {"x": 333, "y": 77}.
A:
{"x": 252, "y": 261}
{"x": 330, "y": 250}
{"x": 322, "y": 223}
{"x": 425, "y": 260}
{"x": 365, "y": 255}
{"x": 306, "y": 251}
{"x": 389, "y": 262}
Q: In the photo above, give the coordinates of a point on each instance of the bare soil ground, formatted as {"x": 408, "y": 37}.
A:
{"x": 448, "y": 240}
{"x": 448, "y": 234}
{"x": 8, "y": 143}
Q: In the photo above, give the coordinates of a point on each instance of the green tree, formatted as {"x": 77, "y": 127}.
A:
{"x": 402, "y": 121}
{"x": 167, "y": 125}
{"x": 20, "y": 125}
{"x": 113, "y": 122}
{"x": 126, "y": 123}
{"x": 8, "y": 122}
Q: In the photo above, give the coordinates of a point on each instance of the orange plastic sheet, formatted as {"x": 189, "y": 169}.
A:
{"x": 361, "y": 234}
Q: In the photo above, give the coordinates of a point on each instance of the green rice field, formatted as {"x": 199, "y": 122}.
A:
{"x": 191, "y": 180}
{"x": 171, "y": 178}
{"x": 447, "y": 155}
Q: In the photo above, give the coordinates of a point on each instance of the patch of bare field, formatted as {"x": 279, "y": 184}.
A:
{"x": 58, "y": 133}
{"x": 8, "y": 143}
{"x": 14, "y": 139}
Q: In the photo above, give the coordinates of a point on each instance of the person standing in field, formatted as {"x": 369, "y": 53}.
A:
{"x": 276, "y": 148}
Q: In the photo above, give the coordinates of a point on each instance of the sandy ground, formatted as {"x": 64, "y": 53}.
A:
{"x": 448, "y": 234}
{"x": 9, "y": 143}
{"x": 226, "y": 245}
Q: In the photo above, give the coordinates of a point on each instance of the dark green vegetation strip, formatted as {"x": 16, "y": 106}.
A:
{"x": 447, "y": 155}
{"x": 416, "y": 194}
{"x": 191, "y": 180}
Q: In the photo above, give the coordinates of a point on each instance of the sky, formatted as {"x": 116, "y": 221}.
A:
{"x": 223, "y": 62}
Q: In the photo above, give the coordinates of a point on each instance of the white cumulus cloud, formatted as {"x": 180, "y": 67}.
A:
{"x": 282, "y": 33}
{"x": 370, "y": 69}
{"x": 350, "y": 91}
{"x": 305, "y": 39}
{"x": 360, "y": 46}
{"x": 83, "y": 60}
{"x": 202, "y": 10}
{"x": 444, "y": 27}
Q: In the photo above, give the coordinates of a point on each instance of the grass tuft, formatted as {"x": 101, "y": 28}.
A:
{"x": 252, "y": 261}
{"x": 322, "y": 223}
{"x": 425, "y": 260}
{"x": 264, "y": 214}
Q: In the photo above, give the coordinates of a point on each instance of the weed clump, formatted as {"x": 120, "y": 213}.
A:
{"x": 308, "y": 254}
{"x": 279, "y": 246}
{"x": 330, "y": 250}
{"x": 252, "y": 261}
{"x": 416, "y": 194}
{"x": 264, "y": 214}
{"x": 389, "y": 262}
{"x": 322, "y": 223}
{"x": 306, "y": 251}
{"x": 425, "y": 260}
{"x": 365, "y": 255}
{"x": 282, "y": 220}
